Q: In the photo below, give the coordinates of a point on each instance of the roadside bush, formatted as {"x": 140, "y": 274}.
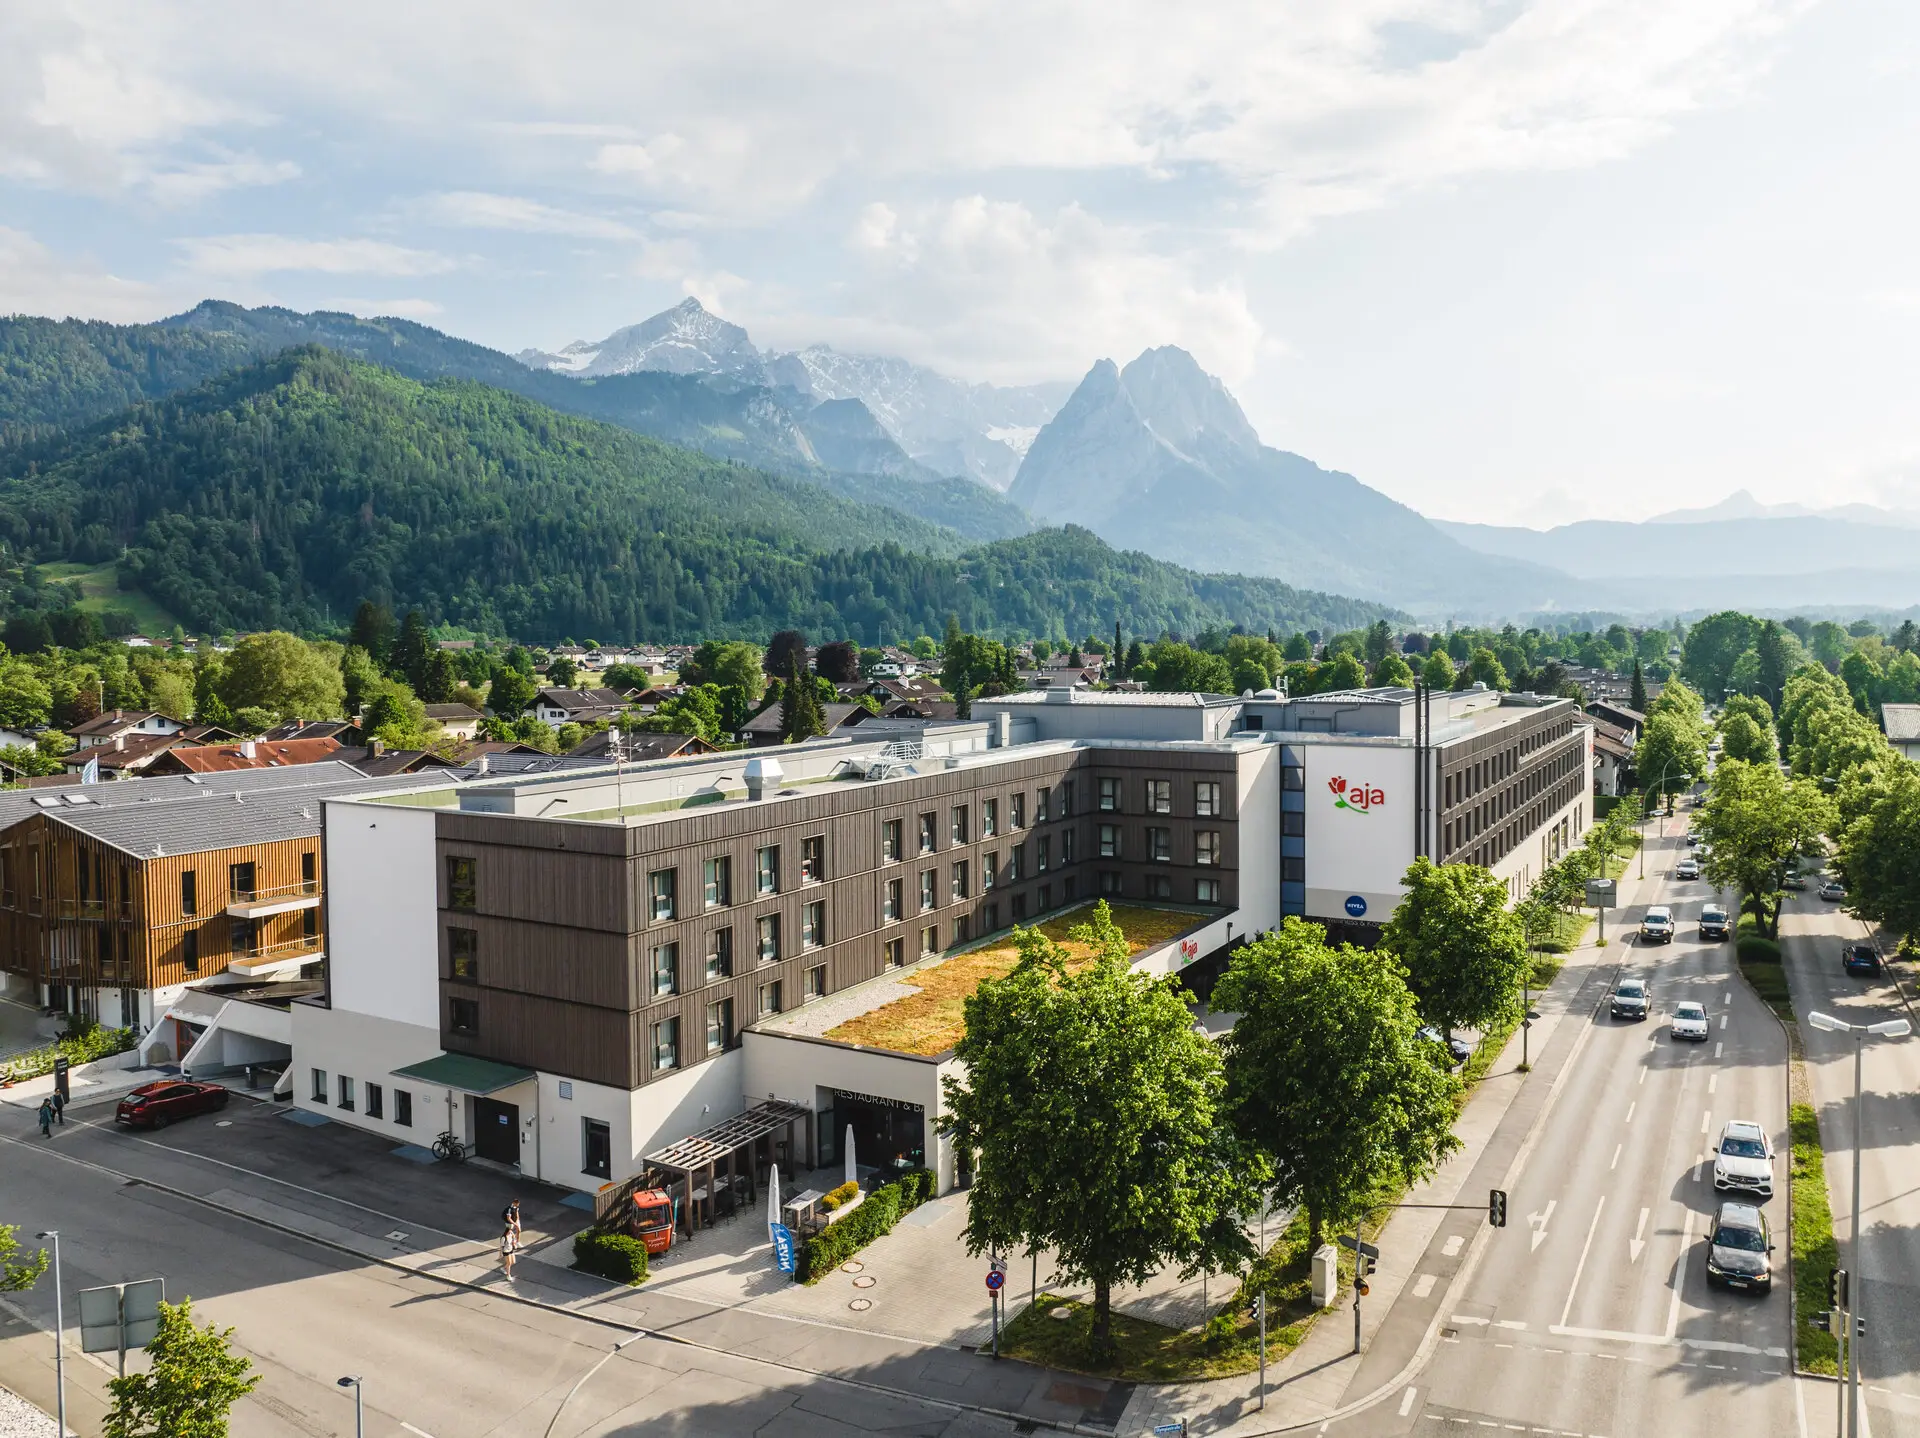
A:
{"x": 1755, "y": 950}
{"x": 838, "y": 1198}
{"x": 613, "y": 1256}
{"x": 874, "y": 1218}
{"x": 85, "y": 1047}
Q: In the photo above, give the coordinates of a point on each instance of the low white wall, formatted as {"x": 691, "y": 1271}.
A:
{"x": 368, "y": 1049}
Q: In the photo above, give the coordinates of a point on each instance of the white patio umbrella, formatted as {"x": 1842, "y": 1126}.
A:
{"x": 773, "y": 1195}
{"x": 852, "y": 1174}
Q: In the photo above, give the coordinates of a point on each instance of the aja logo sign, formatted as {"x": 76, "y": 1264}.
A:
{"x": 1358, "y": 797}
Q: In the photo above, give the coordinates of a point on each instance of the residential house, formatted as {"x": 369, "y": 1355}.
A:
{"x": 555, "y": 707}
{"x": 460, "y": 721}
{"x": 118, "y": 724}
{"x": 247, "y": 754}
{"x": 1902, "y": 723}
{"x": 764, "y": 727}
{"x": 1612, "y": 757}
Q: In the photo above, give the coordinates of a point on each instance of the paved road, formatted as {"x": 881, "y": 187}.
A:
{"x": 436, "y": 1361}
{"x": 1590, "y": 1314}
{"x": 1889, "y": 1265}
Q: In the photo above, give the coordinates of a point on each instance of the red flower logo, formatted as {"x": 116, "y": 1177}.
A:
{"x": 1339, "y": 786}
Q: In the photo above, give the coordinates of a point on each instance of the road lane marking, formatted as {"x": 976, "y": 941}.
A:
{"x": 1727, "y": 997}
{"x": 1717, "y": 1046}
{"x": 1453, "y": 1246}
{"x": 1713, "y": 1082}
{"x": 1616, "y": 1156}
{"x": 1636, "y": 1245}
{"x": 1538, "y": 1223}
{"x": 1723, "y": 1022}
{"x": 1518, "y": 1324}
{"x": 1699, "y": 1167}
{"x": 1423, "y": 1285}
{"x": 1706, "y": 1119}
{"x": 417, "y": 1432}
{"x": 1643, "y": 1076}
{"x": 1679, "y": 1276}
{"x": 1598, "y": 1209}
{"x": 1462, "y": 1318}
{"x": 1406, "y": 1402}
{"x": 1630, "y": 1108}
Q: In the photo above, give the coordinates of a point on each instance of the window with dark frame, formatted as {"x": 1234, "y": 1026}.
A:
{"x": 1042, "y": 847}
{"x": 1293, "y": 823}
{"x": 463, "y": 955}
{"x": 929, "y": 896}
{"x": 660, "y": 895}
{"x": 1206, "y": 846}
{"x": 769, "y": 943}
{"x": 766, "y": 870}
{"x": 1160, "y": 886}
{"x": 1066, "y": 846}
{"x": 930, "y": 940}
{"x": 720, "y": 954}
{"x": 817, "y": 983}
{"x": 890, "y": 905}
{"x": 813, "y": 925}
{"x": 959, "y": 826}
{"x": 463, "y": 887}
{"x": 319, "y": 1090}
{"x": 1109, "y": 883}
{"x": 1109, "y": 841}
{"x": 716, "y": 881}
{"x": 1206, "y": 891}
{"x": 376, "y": 1101}
{"x": 890, "y": 841}
{"x": 989, "y": 871}
{"x": 1109, "y": 796}
{"x": 666, "y": 970}
{"x": 309, "y": 873}
{"x": 896, "y": 951}
{"x": 929, "y": 832}
{"x": 189, "y": 892}
{"x": 989, "y": 817}
{"x": 1160, "y": 845}
{"x": 666, "y": 1044}
{"x": 960, "y": 885}
{"x": 403, "y": 1108}
{"x": 596, "y": 1148}
{"x": 1293, "y": 871}
{"x": 1206, "y": 799}
{"x": 1159, "y": 796}
{"x": 770, "y": 999}
{"x": 1017, "y": 864}
{"x": 241, "y": 881}
{"x": 719, "y": 1026}
{"x": 1040, "y": 805}
{"x": 1017, "y": 810}
{"x": 1066, "y": 798}
{"x": 1293, "y": 777}
{"x": 813, "y": 859}
{"x": 463, "y": 1016}
{"x": 190, "y": 951}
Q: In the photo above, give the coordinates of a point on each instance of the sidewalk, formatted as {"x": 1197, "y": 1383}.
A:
{"x": 1426, "y": 1254}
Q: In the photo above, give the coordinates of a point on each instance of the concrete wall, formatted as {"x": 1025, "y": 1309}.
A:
{"x": 369, "y": 1049}
{"x": 801, "y": 1070}
{"x": 1258, "y": 806}
{"x": 383, "y": 947}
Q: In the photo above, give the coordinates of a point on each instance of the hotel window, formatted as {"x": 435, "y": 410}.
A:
{"x": 1017, "y": 865}
{"x": 766, "y": 870}
{"x": 376, "y": 1101}
{"x": 1206, "y": 800}
{"x": 1066, "y": 846}
{"x": 989, "y": 818}
{"x": 1206, "y": 846}
{"x": 1293, "y": 871}
{"x": 990, "y": 920}
{"x": 1292, "y": 776}
{"x": 770, "y": 999}
{"x": 1040, "y": 797}
{"x": 463, "y": 887}
{"x": 896, "y": 950}
{"x": 1017, "y": 810}
{"x": 890, "y": 841}
{"x": 241, "y": 881}
{"x": 463, "y": 1016}
{"x": 813, "y": 859}
{"x": 720, "y": 1026}
{"x": 1066, "y": 798}
{"x": 930, "y": 940}
{"x": 1160, "y": 845}
{"x": 660, "y": 895}
{"x": 1206, "y": 891}
{"x": 1109, "y": 841}
{"x": 813, "y": 925}
{"x": 1019, "y": 908}
{"x": 666, "y": 1045}
{"x": 1040, "y": 857}
{"x": 1159, "y": 886}
{"x": 716, "y": 877}
{"x": 1109, "y": 883}
{"x": 960, "y": 886}
{"x": 1159, "y": 796}
{"x": 310, "y": 876}
{"x": 959, "y": 826}
{"x": 1293, "y": 823}
{"x": 928, "y": 879}
{"x": 720, "y": 954}
{"x": 929, "y": 826}
{"x": 960, "y": 929}
{"x": 190, "y": 951}
{"x": 319, "y": 1085}
{"x": 1109, "y": 796}
{"x": 189, "y": 892}
{"x": 463, "y": 955}
{"x": 890, "y": 905}
{"x": 989, "y": 871}
{"x": 769, "y": 947}
{"x": 666, "y": 969}
{"x": 816, "y": 983}
{"x": 596, "y": 1148}
{"x": 1046, "y": 897}
{"x": 403, "y": 1107}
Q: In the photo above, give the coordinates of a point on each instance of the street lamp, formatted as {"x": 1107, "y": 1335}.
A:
{"x": 352, "y": 1380}
{"x": 1889, "y": 1029}
{"x": 630, "y": 1338}
{"x": 59, "y": 1337}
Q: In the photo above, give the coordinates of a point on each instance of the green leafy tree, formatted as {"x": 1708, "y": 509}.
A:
{"x": 1393, "y": 670}
{"x": 1463, "y": 951}
{"x": 1743, "y": 739}
{"x": 1181, "y": 669}
{"x": 359, "y": 677}
{"x": 396, "y": 716}
{"x": 783, "y": 649}
{"x": 562, "y": 671}
{"x": 1437, "y": 672}
{"x": 283, "y": 673}
{"x": 25, "y": 700}
{"x": 511, "y": 693}
{"x": 1772, "y": 663}
{"x": 1671, "y": 754}
{"x": 701, "y": 711}
{"x": 1093, "y": 1107}
{"x": 411, "y": 648}
{"x": 192, "y": 1385}
{"x": 1862, "y": 676}
{"x": 1830, "y": 645}
{"x": 1344, "y": 673}
{"x": 1880, "y": 849}
{"x": 1379, "y": 642}
{"x": 1298, "y": 648}
{"x": 17, "y": 1275}
{"x": 1757, "y": 823}
{"x": 1327, "y": 1077}
{"x": 169, "y": 691}
{"x": 970, "y": 664}
{"x": 441, "y": 679}
{"x": 1712, "y": 648}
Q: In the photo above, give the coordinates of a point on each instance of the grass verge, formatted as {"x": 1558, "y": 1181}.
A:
{"x": 1761, "y": 967}
{"x": 1153, "y": 1353}
{"x": 1815, "y": 1254}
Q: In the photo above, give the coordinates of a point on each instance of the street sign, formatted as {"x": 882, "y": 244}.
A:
{"x": 1602, "y": 893}
{"x": 1170, "y": 1430}
{"x": 995, "y": 1278}
{"x": 61, "y": 1083}
{"x": 119, "y": 1316}
{"x": 1366, "y": 1250}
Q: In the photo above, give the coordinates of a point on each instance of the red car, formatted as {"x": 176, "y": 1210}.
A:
{"x": 155, "y": 1105}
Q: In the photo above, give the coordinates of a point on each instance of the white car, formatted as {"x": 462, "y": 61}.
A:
{"x": 1687, "y": 868}
{"x": 1656, "y": 927}
{"x": 1689, "y": 1022}
{"x": 1743, "y": 1159}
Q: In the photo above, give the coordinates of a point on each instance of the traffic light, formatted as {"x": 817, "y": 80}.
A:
{"x": 1497, "y": 1208}
{"x": 1362, "y": 1270}
{"x": 1837, "y": 1288}
{"x": 1826, "y": 1320}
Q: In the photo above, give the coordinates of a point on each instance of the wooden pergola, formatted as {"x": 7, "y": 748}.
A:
{"x": 714, "y": 1152}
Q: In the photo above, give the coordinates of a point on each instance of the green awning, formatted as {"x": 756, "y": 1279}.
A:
{"x": 464, "y": 1072}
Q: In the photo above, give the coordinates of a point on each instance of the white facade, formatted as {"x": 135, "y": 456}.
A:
{"x": 1360, "y": 825}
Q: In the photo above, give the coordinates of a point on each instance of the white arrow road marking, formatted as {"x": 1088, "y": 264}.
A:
{"x": 1635, "y": 1246}
{"x": 1538, "y": 1222}
{"x": 1581, "y": 1267}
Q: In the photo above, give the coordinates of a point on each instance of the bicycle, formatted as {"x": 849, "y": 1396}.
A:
{"x": 449, "y": 1149}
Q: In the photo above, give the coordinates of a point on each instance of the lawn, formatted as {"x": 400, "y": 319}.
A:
{"x": 932, "y": 1020}
{"x": 100, "y": 584}
{"x": 1814, "y": 1252}
{"x": 1571, "y": 928}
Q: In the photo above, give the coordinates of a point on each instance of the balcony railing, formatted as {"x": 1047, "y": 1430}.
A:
{"x": 254, "y": 952}
{"x": 284, "y": 891}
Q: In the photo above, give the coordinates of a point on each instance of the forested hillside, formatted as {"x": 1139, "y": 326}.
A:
{"x": 283, "y": 492}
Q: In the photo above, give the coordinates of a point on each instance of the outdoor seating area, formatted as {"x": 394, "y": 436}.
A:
{"x": 712, "y": 1173}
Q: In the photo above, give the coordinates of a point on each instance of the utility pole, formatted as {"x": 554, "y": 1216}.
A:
{"x": 59, "y": 1338}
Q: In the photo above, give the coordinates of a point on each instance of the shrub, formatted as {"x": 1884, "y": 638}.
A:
{"x": 839, "y": 1198}
{"x": 611, "y": 1255}
{"x": 93, "y": 1043}
{"x": 874, "y": 1218}
{"x": 1755, "y": 950}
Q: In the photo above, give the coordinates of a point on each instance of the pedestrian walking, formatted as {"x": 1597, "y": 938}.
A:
{"x": 46, "y": 1118}
{"x": 509, "y": 1249}
{"x": 59, "y": 1108}
{"x": 510, "y": 1218}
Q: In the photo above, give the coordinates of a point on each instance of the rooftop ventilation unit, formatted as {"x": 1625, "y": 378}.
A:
{"x": 763, "y": 775}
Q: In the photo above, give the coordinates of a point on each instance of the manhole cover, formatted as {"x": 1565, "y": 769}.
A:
{"x": 396, "y": 1237}
{"x": 865, "y": 1280}
{"x": 1060, "y": 1314}
{"x": 223, "y": 1123}
{"x": 861, "y": 1305}
{"x": 852, "y": 1265}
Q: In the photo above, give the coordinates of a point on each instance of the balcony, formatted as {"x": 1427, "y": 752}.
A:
{"x": 269, "y": 959}
{"x": 260, "y": 903}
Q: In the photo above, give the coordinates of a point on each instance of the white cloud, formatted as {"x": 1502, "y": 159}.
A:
{"x": 246, "y": 256}
{"x": 34, "y": 280}
{"x": 406, "y": 309}
{"x": 986, "y": 287}
{"x": 192, "y": 182}
{"x": 478, "y": 210}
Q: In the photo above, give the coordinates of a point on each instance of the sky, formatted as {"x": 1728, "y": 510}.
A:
{"x": 1506, "y": 261}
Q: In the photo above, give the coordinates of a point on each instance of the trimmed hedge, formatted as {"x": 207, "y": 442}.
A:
{"x": 611, "y": 1255}
{"x": 1755, "y": 950}
{"x": 874, "y": 1218}
{"x": 837, "y": 1198}
{"x": 80, "y": 1048}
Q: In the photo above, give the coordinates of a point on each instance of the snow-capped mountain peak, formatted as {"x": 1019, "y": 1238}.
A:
{"x": 686, "y": 339}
